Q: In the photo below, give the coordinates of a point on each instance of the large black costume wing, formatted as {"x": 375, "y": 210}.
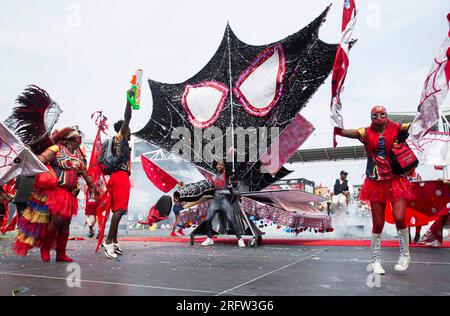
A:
{"x": 242, "y": 87}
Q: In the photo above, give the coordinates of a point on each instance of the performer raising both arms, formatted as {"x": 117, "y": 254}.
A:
{"x": 381, "y": 185}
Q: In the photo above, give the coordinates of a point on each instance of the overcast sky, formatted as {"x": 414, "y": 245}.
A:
{"x": 84, "y": 52}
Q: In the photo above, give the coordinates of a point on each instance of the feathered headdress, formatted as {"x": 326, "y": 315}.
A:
{"x": 34, "y": 118}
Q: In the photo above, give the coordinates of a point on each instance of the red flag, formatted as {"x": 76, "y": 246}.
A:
{"x": 11, "y": 226}
{"x": 5, "y": 217}
{"x": 340, "y": 66}
{"x": 94, "y": 170}
{"x": 103, "y": 213}
{"x": 97, "y": 176}
{"x": 431, "y": 201}
{"x": 161, "y": 179}
{"x": 9, "y": 189}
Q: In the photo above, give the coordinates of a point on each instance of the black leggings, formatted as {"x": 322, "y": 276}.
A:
{"x": 221, "y": 203}
{"x": 20, "y": 206}
{"x": 2, "y": 212}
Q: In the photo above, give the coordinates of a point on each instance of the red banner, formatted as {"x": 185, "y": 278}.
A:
{"x": 431, "y": 201}
{"x": 341, "y": 64}
{"x": 161, "y": 179}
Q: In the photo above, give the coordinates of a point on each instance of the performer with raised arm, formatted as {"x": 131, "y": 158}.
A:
{"x": 381, "y": 185}
{"x": 119, "y": 181}
{"x": 221, "y": 203}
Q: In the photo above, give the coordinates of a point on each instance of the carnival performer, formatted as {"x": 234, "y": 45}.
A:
{"x": 51, "y": 208}
{"x": 177, "y": 207}
{"x": 119, "y": 181}
{"x": 381, "y": 185}
{"x": 221, "y": 203}
{"x": 92, "y": 204}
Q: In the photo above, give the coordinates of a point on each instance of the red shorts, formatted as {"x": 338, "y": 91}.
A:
{"x": 383, "y": 191}
{"x": 91, "y": 208}
{"x": 119, "y": 184}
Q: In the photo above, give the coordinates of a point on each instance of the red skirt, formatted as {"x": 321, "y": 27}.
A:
{"x": 63, "y": 203}
{"x": 384, "y": 191}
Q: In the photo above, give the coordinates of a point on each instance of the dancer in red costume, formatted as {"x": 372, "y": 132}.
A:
{"x": 381, "y": 186}
{"x": 51, "y": 209}
{"x": 93, "y": 202}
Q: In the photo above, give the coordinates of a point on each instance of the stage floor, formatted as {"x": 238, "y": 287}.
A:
{"x": 162, "y": 268}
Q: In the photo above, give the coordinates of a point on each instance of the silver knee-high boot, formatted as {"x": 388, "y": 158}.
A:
{"x": 405, "y": 259}
{"x": 376, "y": 254}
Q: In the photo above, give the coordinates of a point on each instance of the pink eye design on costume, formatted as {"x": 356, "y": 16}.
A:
{"x": 258, "y": 89}
{"x": 204, "y": 102}
{"x": 261, "y": 85}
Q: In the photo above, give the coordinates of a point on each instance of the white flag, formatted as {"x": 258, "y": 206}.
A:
{"x": 433, "y": 149}
{"x": 434, "y": 93}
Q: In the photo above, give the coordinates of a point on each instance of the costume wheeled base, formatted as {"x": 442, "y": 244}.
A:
{"x": 245, "y": 226}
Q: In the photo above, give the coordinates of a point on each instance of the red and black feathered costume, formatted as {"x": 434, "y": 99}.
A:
{"x": 53, "y": 201}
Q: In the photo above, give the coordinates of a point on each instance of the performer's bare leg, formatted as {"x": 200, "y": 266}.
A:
{"x": 91, "y": 220}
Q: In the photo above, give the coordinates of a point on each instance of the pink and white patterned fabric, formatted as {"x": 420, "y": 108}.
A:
{"x": 287, "y": 144}
{"x": 306, "y": 218}
{"x": 15, "y": 158}
{"x": 432, "y": 149}
{"x": 434, "y": 93}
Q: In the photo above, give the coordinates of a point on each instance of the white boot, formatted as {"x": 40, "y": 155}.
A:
{"x": 241, "y": 243}
{"x": 376, "y": 254}
{"x": 405, "y": 259}
{"x": 208, "y": 242}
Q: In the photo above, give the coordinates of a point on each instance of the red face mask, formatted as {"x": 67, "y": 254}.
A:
{"x": 378, "y": 115}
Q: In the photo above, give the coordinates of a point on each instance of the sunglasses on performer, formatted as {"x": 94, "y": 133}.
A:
{"x": 375, "y": 115}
